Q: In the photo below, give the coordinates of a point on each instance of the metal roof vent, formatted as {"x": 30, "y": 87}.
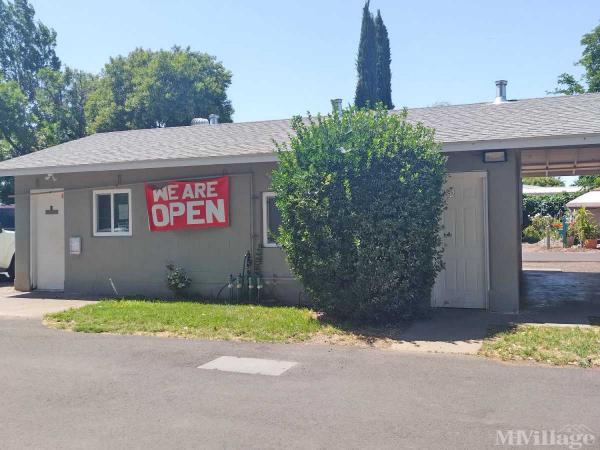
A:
{"x": 501, "y": 91}
{"x": 199, "y": 121}
{"x": 213, "y": 119}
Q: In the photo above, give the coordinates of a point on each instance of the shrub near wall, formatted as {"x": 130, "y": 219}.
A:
{"x": 361, "y": 198}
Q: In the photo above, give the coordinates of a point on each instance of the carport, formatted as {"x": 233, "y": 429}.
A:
{"x": 567, "y": 287}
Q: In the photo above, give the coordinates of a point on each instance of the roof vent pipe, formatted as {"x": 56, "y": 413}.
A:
{"x": 213, "y": 119}
{"x": 336, "y": 106}
{"x": 500, "y": 91}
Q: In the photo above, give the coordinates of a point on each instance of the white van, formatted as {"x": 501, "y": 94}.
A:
{"x": 7, "y": 240}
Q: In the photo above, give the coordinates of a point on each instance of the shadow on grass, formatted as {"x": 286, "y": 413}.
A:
{"x": 497, "y": 329}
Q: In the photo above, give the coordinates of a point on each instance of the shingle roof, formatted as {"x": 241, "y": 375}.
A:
{"x": 530, "y": 118}
{"x": 478, "y": 123}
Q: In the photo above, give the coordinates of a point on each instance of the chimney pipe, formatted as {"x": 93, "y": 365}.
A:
{"x": 336, "y": 106}
{"x": 213, "y": 119}
{"x": 500, "y": 91}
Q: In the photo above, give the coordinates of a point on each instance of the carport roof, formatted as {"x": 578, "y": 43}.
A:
{"x": 530, "y": 123}
{"x": 588, "y": 200}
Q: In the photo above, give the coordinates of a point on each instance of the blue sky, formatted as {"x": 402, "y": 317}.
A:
{"x": 289, "y": 57}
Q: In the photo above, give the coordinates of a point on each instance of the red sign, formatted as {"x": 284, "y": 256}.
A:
{"x": 188, "y": 204}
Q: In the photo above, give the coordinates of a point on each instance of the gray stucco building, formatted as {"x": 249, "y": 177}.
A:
{"x": 82, "y": 223}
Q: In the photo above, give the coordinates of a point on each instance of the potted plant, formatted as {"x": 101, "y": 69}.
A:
{"x": 586, "y": 228}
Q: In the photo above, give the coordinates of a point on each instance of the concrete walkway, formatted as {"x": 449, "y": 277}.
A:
{"x": 447, "y": 331}
{"x": 548, "y": 297}
{"x": 35, "y": 305}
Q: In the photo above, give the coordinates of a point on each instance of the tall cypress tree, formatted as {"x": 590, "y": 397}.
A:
{"x": 366, "y": 62}
{"x": 384, "y": 59}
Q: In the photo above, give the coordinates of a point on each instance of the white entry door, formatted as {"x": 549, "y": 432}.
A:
{"x": 48, "y": 240}
{"x": 463, "y": 282}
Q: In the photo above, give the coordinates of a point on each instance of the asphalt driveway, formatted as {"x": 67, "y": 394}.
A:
{"x": 69, "y": 390}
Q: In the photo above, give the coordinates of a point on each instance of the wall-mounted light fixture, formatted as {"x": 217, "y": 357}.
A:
{"x": 494, "y": 156}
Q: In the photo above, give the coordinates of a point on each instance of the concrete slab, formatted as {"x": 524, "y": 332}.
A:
{"x": 35, "y": 305}
{"x": 253, "y": 366}
{"x": 447, "y": 331}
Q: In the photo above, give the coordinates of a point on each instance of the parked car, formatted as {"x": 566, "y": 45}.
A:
{"x": 7, "y": 240}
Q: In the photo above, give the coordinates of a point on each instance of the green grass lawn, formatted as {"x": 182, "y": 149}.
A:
{"x": 551, "y": 345}
{"x": 189, "y": 319}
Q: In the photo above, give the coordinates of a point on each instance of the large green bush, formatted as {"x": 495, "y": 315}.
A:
{"x": 361, "y": 197}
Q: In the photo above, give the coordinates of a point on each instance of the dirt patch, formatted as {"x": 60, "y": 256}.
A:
{"x": 358, "y": 339}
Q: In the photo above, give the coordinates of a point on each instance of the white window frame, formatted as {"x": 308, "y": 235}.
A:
{"x": 112, "y": 212}
{"x": 265, "y": 219}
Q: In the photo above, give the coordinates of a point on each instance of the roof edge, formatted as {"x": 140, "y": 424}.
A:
{"x": 146, "y": 164}
{"x": 451, "y": 147}
{"x": 522, "y": 143}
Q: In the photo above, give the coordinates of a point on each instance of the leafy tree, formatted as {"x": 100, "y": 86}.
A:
{"x": 588, "y": 181}
{"x": 568, "y": 85}
{"x": 366, "y": 63}
{"x": 40, "y": 105}
{"x": 384, "y": 59}
{"x": 590, "y": 61}
{"x": 18, "y": 135}
{"x": 61, "y": 101}
{"x": 149, "y": 89}
{"x": 361, "y": 196}
{"x": 26, "y": 46}
{"x": 543, "y": 181}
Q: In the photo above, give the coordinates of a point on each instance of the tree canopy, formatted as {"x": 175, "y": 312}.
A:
{"x": 590, "y": 61}
{"x": 43, "y": 104}
{"x": 26, "y": 46}
{"x": 148, "y": 89}
{"x": 373, "y": 63}
{"x": 26, "y": 49}
{"x": 366, "y": 62}
{"x": 543, "y": 181}
{"x": 361, "y": 196}
{"x": 588, "y": 181}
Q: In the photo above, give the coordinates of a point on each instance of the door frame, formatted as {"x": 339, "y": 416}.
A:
{"x": 33, "y": 233}
{"x": 483, "y": 174}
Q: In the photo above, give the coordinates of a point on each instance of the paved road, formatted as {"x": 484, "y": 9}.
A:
{"x": 71, "y": 391}
{"x": 557, "y": 256}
